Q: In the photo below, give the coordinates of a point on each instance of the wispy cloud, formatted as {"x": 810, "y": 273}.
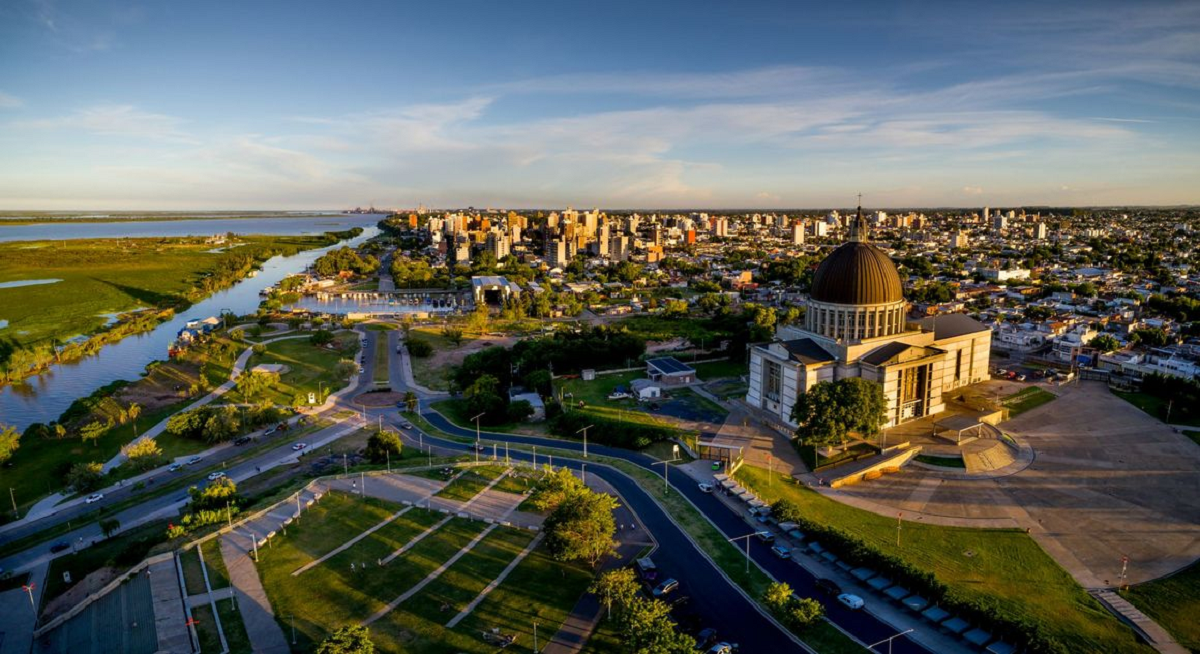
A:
{"x": 116, "y": 120}
{"x": 10, "y": 101}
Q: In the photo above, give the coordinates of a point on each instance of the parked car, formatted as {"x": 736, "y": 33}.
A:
{"x": 193, "y": 460}
{"x": 723, "y": 648}
{"x": 667, "y": 587}
{"x": 617, "y": 395}
{"x": 175, "y": 467}
{"x": 299, "y": 446}
{"x": 241, "y": 441}
{"x": 1002, "y": 372}
{"x": 272, "y": 430}
{"x": 829, "y": 587}
{"x": 96, "y": 497}
{"x": 782, "y": 552}
{"x": 851, "y": 601}
{"x": 646, "y": 568}
{"x": 705, "y": 488}
{"x": 213, "y": 476}
{"x": 706, "y": 638}
{"x": 407, "y": 425}
{"x": 1020, "y": 377}
{"x": 59, "y": 546}
{"x": 765, "y": 536}
{"x": 716, "y": 465}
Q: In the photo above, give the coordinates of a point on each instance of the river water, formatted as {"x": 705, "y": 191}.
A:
{"x": 44, "y": 397}
{"x": 299, "y": 224}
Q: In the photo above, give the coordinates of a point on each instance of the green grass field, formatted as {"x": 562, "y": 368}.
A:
{"x": 218, "y": 574}
{"x": 330, "y": 595}
{"x": 1155, "y": 406}
{"x": 1173, "y": 602}
{"x": 1192, "y": 434}
{"x": 382, "y": 356}
{"x": 193, "y": 576}
{"x": 721, "y": 369}
{"x": 1027, "y": 399}
{"x": 426, "y": 370}
{"x": 104, "y": 276}
{"x": 235, "y": 629}
{"x": 595, "y": 394}
{"x": 1002, "y": 567}
{"x": 469, "y": 484}
{"x": 310, "y": 368}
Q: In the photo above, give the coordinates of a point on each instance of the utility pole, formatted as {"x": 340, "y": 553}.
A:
{"x": 14, "y": 500}
{"x": 345, "y": 465}
{"x": 747, "y": 539}
{"x": 293, "y": 619}
{"x": 584, "y": 430}
{"x": 898, "y": 529}
{"x": 584, "y": 474}
{"x": 476, "y": 419}
{"x": 388, "y": 453}
{"x": 535, "y": 643}
{"x": 666, "y": 468}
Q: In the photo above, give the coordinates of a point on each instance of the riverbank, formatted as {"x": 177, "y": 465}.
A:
{"x": 37, "y": 217}
{"x": 91, "y": 293}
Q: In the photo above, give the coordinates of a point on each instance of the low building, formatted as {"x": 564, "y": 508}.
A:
{"x": 670, "y": 371}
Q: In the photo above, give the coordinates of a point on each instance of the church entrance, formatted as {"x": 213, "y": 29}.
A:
{"x": 914, "y": 392}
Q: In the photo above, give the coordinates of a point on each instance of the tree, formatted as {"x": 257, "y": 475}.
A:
{"x": 648, "y": 629}
{"x": 418, "y": 347}
{"x": 383, "y": 444}
{"x": 93, "y": 431}
{"x": 85, "y": 477}
{"x": 675, "y": 309}
{"x": 10, "y": 440}
{"x": 803, "y": 612}
{"x": 223, "y": 424}
{"x": 133, "y": 411}
{"x": 777, "y": 596}
{"x": 829, "y": 410}
{"x": 454, "y": 335}
{"x": 321, "y": 337}
{"x": 345, "y": 369}
{"x": 110, "y": 527}
{"x": 582, "y": 527}
{"x": 1105, "y": 343}
{"x": 410, "y": 401}
{"x": 350, "y": 639}
{"x": 864, "y": 403}
{"x": 213, "y": 496}
{"x": 553, "y": 488}
{"x": 253, "y": 384}
{"x": 143, "y": 454}
{"x": 616, "y": 588}
{"x": 520, "y": 410}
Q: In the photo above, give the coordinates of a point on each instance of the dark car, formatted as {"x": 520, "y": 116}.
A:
{"x": 706, "y": 637}
{"x": 241, "y": 441}
{"x": 829, "y": 587}
{"x": 59, "y": 546}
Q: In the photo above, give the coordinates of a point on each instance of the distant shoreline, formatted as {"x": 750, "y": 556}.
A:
{"x": 30, "y": 218}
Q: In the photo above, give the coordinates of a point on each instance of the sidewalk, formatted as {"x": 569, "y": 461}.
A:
{"x": 266, "y": 637}
{"x": 16, "y": 629}
{"x": 170, "y": 618}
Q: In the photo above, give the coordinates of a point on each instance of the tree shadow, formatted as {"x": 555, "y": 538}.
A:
{"x": 144, "y": 296}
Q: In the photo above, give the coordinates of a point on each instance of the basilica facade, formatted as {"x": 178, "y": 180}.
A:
{"x": 856, "y": 325}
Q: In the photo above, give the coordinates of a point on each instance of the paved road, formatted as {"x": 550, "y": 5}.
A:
{"x": 684, "y": 561}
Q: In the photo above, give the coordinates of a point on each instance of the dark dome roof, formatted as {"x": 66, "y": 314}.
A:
{"x": 857, "y": 273}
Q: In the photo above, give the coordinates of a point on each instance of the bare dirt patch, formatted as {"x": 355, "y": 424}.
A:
{"x": 378, "y": 399}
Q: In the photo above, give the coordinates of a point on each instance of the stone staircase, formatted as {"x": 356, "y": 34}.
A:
{"x": 1151, "y": 631}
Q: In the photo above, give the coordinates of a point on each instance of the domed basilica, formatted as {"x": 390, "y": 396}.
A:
{"x": 856, "y": 325}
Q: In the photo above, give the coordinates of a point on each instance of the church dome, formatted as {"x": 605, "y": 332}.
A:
{"x": 857, "y": 273}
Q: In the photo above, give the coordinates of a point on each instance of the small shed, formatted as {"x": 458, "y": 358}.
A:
{"x": 645, "y": 389}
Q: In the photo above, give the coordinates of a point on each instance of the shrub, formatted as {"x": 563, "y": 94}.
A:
{"x": 383, "y": 444}
{"x": 418, "y": 347}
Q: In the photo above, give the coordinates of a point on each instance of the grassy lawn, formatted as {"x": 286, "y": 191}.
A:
{"x": 382, "y": 354}
{"x": 465, "y": 486}
{"x": 206, "y": 629}
{"x": 1173, "y": 602}
{"x": 1192, "y": 434}
{"x": 431, "y": 371}
{"x": 944, "y": 461}
{"x": 106, "y": 276}
{"x": 1155, "y": 406}
{"x": 594, "y": 395}
{"x": 218, "y": 574}
{"x": 235, "y": 629}
{"x": 1004, "y": 568}
{"x": 456, "y": 411}
{"x": 310, "y": 368}
{"x": 193, "y": 576}
{"x": 1027, "y": 399}
{"x": 721, "y": 369}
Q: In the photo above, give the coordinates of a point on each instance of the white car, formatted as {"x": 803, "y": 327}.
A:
{"x": 213, "y": 476}
{"x": 299, "y": 446}
{"x": 94, "y": 498}
{"x": 705, "y": 488}
{"x": 192, "y": 460}
{"x": 407, "y": 425}
{"x": 852, "y": 602}
{"x": 619, "y": 396}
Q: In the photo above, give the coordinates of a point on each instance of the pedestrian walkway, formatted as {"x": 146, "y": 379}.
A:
{"x": 264, "y": 632}
{"x": 416, "y": 539}
{"x": 170, "y": 617}
{"x": 1158, "y": 637}
{"x": 350, "y": 543}
{"x": 16, "y": 629}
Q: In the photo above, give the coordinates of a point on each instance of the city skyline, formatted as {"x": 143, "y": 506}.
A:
{"x": 141, "y": 107}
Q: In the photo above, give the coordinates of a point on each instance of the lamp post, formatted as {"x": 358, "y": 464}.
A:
{"x": 747, "y": 539}
{"x": 28, "y": 588}
{"x": 583, "y": 474}
{"x": 584, "y": 430}
{"x": 666, "y": 468}
{"x": 13, "y": 497}
{"x": 476, "y": 419}
{"x": 293, "y": 619}
{"x": 889, "y": 640}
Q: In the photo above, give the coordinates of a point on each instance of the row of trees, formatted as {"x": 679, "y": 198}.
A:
{"x": 216, "y": 424}
{"x": 345, "y": 259}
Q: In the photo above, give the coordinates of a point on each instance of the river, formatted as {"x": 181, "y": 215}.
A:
{"x": 299, "y": 224}
{"x": 44, "y": 397}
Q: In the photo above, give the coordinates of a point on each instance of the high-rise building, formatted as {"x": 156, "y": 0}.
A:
{"x": 618, "y": 248}
{"x": 798, "y": 233}
{"x": 960, "y": 240}
{"x": 821, "y": 228}
{"x": 986, "y": 213}
{"x": 558, "y": 253}
{"x": 498, "y": 244}
{"x": 1000, "y": 221}
{"x": 721, "y": 227}
{"x": 1040, "y": 232}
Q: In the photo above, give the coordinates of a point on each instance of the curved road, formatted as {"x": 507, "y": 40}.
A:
{"x": 864, "y": 626}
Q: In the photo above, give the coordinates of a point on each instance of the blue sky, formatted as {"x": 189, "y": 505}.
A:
{"x": 245, "y": 105}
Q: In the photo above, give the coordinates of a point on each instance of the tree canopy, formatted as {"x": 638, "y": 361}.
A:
{"x": 350, "y": 639}
{"x": 830, "y": 410}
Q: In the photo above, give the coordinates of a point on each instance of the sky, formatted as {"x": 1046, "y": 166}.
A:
{"x": 304, "y": 104}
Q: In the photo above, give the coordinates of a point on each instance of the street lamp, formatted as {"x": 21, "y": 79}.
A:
{"x": 584, "y": 430}
{"x": 747, "y": 539}
{"x": 889, "y": 640}
{"x": 666, "y": 468}
{"x": 293, "y": 619}
{"x": 583, "y": 473}
{"x": 476, "y": 419}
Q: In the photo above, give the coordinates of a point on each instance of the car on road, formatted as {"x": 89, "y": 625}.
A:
{"x": 765, "y": 536}
{"x": 829, "y": 587}
{"x": 704, "y": 488}
{"x": 1002, "y": 372}
{"x": 851, "y": 601}
{"x": 479, "y": 447}
{"x": 706, "y": 637}
{"x": 175, "y": 467}
{"x": 241, "y": 441}
{"x": 1021, "y": 377}
{"x": 96, "y": 497}
{"x": 193, "y": 460}
{"x": 667, "y": 587}
{"x": 299, "y": 446}
{"x": 723, "y": 648}
{"x": 59, "y": 546}
{"x": 272, "y": 430}
{"x": 407, "y": 425}
{"x": 213, "y": 476}
{"x": 781, "y": 551}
